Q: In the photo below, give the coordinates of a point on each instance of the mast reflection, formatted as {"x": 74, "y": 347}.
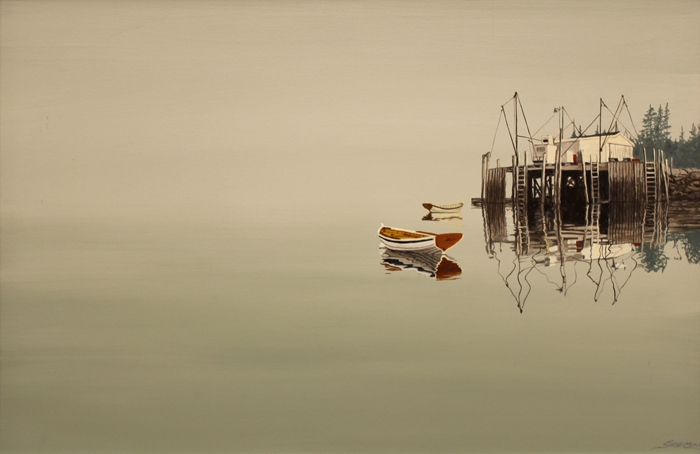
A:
{"x": 601, "y": 243}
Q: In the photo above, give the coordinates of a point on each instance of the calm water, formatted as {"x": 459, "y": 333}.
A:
{"x": 191, "y": 193}
{"x": 262, "y": 336}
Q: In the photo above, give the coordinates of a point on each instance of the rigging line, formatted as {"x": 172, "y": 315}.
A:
{"x": 622, "y": 124}
{"x": 613, "y": 119}
{"x": 521, "y": 298}
{"x": 590, "y": 269}
{"x": 496, "y": 133}
{"x": 636, "y": 264}
{"x": 498, "y": 267}
{"x": 617, "y": 112}
{"x": 571, "y": 122}
{"x": 545, "y": 123}
{"x": 575, "y": 279}
{"x": 505, "y": 280}
{"x": 591, "y": 124}
{"x": 624, "y": 127}
{"x": 486, "y": 235}
{"x": 611, "y": 272}
{"x": 630, "y": 115}
{"x": 508, "y": 102}
{"x": 546, "y": 277}
{"x": 517, "y": 278}
{"x": 508, "y": 126}
{"x": 526, "y": 125}
{"x": 616, "y": 287}
{"x": 511, "y": 272}
{"x": 529, "y": 288}
{"x": 601, "y": 281}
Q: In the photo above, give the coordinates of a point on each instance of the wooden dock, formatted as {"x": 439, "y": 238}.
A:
{"x": 588, "y": 183}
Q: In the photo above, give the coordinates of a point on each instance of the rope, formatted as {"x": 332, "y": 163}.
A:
{"x": 613, "y": 119}
{"x": 496, "y": 133}
{"x": 571, "y": 122}
{"x": 584, "y": 131}
{"x": 630, "y": 115}
{"x": 532, "y": 146}
{"x": 507, "y": 126}
{"x": 507, "y": 102}
{"x": 545, "y": 124}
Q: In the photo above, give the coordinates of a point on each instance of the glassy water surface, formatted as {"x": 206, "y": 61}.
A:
{"x": 191, "y": 193}
{"x": 254, "y": 336}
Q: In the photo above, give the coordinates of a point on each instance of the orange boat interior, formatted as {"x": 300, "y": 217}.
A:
{"x": 403, "y": 234}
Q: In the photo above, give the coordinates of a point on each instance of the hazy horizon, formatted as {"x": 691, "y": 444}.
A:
{"x": 199, "y": 108}
{"x": 190, "y": 193}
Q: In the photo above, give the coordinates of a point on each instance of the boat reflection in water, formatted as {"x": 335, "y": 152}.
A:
{"x": 600, "y": 244}
{"x": 447, "y": 218}
{"x": 429, "y": 262}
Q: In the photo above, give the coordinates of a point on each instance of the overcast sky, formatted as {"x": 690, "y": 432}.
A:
{"x": 125, "y": 107}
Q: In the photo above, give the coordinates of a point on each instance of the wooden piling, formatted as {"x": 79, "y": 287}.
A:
{"x": 495, "y": 188}
{"x": 583, "y": 172}
{"x": 484, "y": 170}
{"x": 626, "y": 181}
{"x": 495, "y": 219}
{"x": 543, "y": 182}
{"x": 626, "y": 223}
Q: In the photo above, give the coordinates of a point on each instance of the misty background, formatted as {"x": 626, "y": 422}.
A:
{"x": 190, "y": 193}
{"x": 200, "y": 109}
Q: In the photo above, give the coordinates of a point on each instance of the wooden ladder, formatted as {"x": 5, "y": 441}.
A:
{"x": 649, "y": 229}
{"x": 522, "y": 231}
{"x": 595, "y": 183}
{"x": 650, "y": 173}
{"x": 650, "y": 211}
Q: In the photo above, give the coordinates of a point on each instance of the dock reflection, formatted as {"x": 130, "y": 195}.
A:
{"x": 432, "y": 263}
{"x": 603, "y": 244}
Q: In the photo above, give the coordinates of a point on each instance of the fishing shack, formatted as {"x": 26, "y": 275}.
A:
{"x": 601, "y": 147}
{"x": 581, "y": 169}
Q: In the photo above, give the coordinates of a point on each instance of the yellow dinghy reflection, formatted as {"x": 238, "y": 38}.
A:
{"x": 429, "y": 262}
{"x": 447, "y": 218}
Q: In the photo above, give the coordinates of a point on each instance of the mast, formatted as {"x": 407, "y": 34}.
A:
{"x": 557, "y": 164}
{"x": 515, "y": 107}
{"x": 600, "y": 129}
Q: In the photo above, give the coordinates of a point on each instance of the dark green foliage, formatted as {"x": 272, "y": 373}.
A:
{"x": 653, "y": 259}
{"x": 690, "y": 242}
{"x": 655, "y": 134}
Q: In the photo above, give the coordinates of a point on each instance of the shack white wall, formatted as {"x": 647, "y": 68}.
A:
{"x": 617, "y": 146}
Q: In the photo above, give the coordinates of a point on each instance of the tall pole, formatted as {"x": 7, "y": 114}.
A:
{"x": 517, "y": 157}
{"x": 561, "y": 138}
{"x": 600, "y": 129}
{"x": 557, "y": 164}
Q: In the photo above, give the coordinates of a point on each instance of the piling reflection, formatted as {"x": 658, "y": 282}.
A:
{"x": 602, "y": 243}
{"x": 432, "y": 263}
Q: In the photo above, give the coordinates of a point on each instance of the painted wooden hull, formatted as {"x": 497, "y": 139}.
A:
{"x": 406, "y": 240}
{"x": 450, "y": 208}
{"x": 409, "y": 240}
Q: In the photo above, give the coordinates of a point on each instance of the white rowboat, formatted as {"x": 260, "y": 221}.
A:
{"x": 409, "y": 240}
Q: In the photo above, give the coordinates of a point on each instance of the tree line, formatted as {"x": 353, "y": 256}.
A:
{"x": 656, "y": 134}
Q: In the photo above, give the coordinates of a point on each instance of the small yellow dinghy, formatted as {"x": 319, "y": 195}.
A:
{"x": 449, "y": 208}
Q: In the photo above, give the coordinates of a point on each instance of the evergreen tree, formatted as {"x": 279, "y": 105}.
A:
{"x": 664, "y": 127}
{"x": 656, "y": 134}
